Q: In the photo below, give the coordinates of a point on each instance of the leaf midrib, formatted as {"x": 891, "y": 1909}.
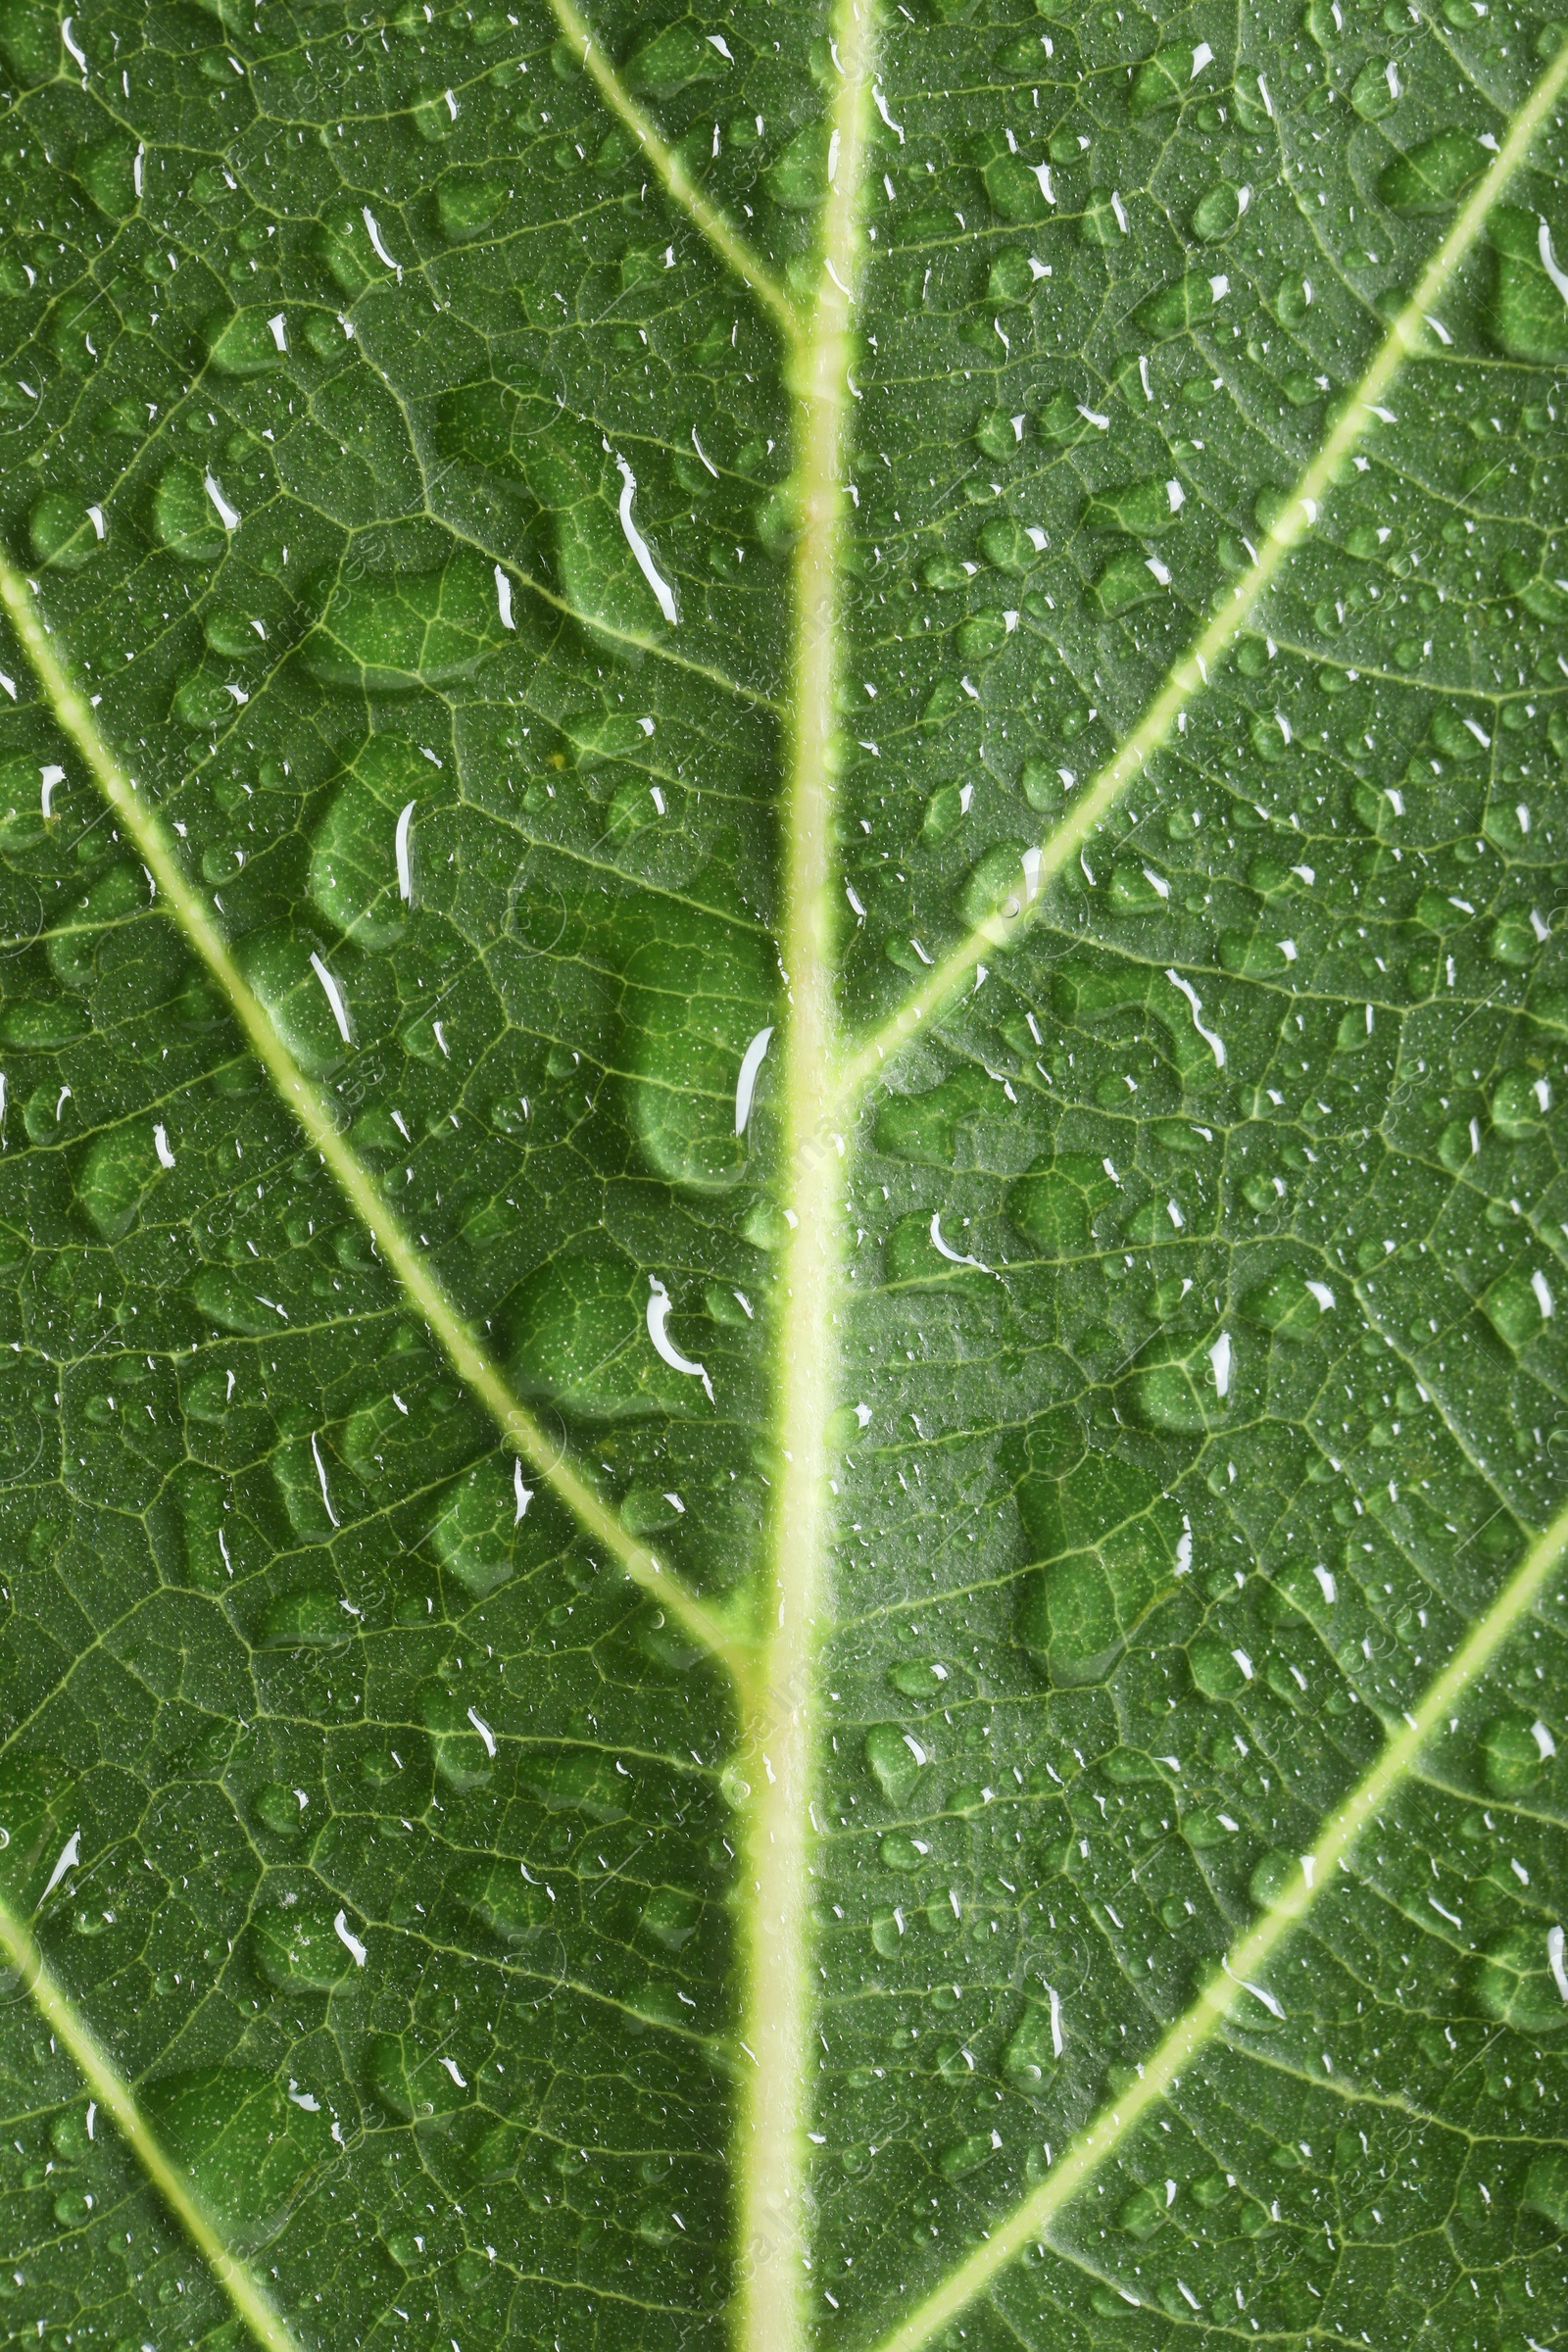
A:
{"x": 853, "y": 1077}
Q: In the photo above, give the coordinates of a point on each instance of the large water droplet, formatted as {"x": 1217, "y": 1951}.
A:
{"x": 928, "y": 1127}
{"x": 1517, "y": 1306}
{"x": 671, "y": 1916}
{"x": 474, "y": 1532}
{"x": 362, "y": 857}
{"x": 1054, "y": 1204}
{"x": 35, "y": 1795}
{"x": 467, "y": 202}
{"x": 307, "y": 1617}
{"x": 1545, "y": 2188}
{"x": 697, "y": 1003}
{"x": 1290, "y": 1303}
{"x": 1428, "y": 177}
{"x": 517, "y": 1908}
{"x": 1514, "y": 1753}
{"x": 311, "y": 1008}
{"x": 462, "y": 1747}
{"x": 897, "y": 1760}
{"x": 420, "y": 2075}
{"x": 225, "y": 1297}
{"x": 1032, "y": 2055}
{"x": 796, "y": 181}
{"x": 247, "y": 2143}
{"x": 963, "y": 2156}
{"x": 186, "y": 519}
{"x": 1182, "y": 1394}
{"x": 1218, "y": 1670}
{"x": 668, "y": 61}
{"x": 1529, "y": 316}
{"x": 1516, "y": 1981}
{"x": 61, "y": 531}
{"x": 300, "y": 1949}
{"x": 580, "y": 1336}
{"x": 114, "y": 1180}
{"x": 426, "y": 628}
{"x": 247, "y": 342}
{"x": 1141, "y": 509}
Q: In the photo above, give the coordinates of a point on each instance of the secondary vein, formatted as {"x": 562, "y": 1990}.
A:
{"x": 726, "y": 241}
{"x": 1161, "y": 2073}
{"x": 115, "y": 2097}
{"x": 467, "y": 1357}
{"x": 1190, "y": 675}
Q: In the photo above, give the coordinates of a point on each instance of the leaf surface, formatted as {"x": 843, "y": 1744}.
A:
{"x": 782, "y": 1022}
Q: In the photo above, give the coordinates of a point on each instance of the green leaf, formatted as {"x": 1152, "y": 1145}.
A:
{"x": 782, "y": 1050}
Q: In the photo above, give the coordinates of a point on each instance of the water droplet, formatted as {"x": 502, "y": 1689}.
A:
{"x": 107, "y": 169}
{"x": 423, "y": 628}
{"x": 477, "y": 1528}
{"x": 279, "y": 1808}
{"x": 307, "y": 1617}
{"x": 1216, "y": 212}
{"x": 1376, "y": 91}
{"x": 671, "y": 1916}
{"x": 1516, "y": 1984}
{"x": 462, "y": 1754}
{"x": 1430, "y": 177}
{"x": 1513, "y": 943}
{"x": 887, "y": 1932}
{"x": 901, "y": 1853}
{"x": 583, "y": 1781}
{"x": 797, "y": 177}
{"x": 1218, "y": 1671}
{"x": 517, "y": 1908}
{"x": 1179, "y": 1394}
{"x": 1054, "y": 1204}
{"x": 1276, "y": 1874}
{"x": 897, "y": 1759}
{"x": 228, "y": 1299}
{"x": 697, "y": 997}
{"x": 963, "y": 2156}
{"x": 919, "y": 1678}
{"x": 1032, "y": 2055}
{"x": 420, "y": 2075}
{"x": 1545, "y": 2189}
{"x": 361, "y": 873}
{"x": 1068, "y": 1618}
{"x": 300, "y": 1950}
{"x": 467, "y": 202}
{"x": 1289, "y": 1304}
{"x": 1130, "y": 578}
{"x": 1141, "y": 509}
{"x": 247, "y": 342}
{"x": 669, "y": 60}
{"x": 1516, "y": 1306}
{"x": 34, "y": 1794}
{"x": 1514, "y": 1756}
{"x": 185, "y": 518}
{"x": 284, "y": 966}
{"x": 114, "y": 1180}
{"x": 61, "y": 531}
{"x": 580, "y": 1337}
{"x": 1529, "y": 316}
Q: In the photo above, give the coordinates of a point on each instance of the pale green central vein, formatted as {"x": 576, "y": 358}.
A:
{"x": 1190, "y": 674}
{"x": 117, "y": 2101}
{"x": 1247, "y": 1961}
{"x": 771, "y": 2148}
{"x": 469, "y": 1359}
